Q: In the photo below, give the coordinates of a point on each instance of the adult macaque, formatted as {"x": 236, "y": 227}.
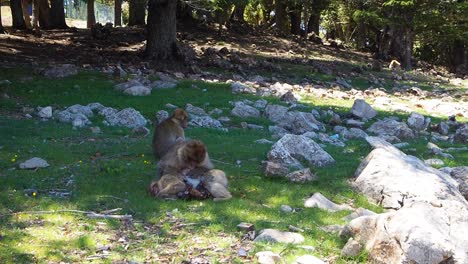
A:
{"x": 168, "y": 187}
{"x": 185, "y": 156}
{"x": 169, "y": 132}
{"x": 394, "y": 64}
{"x": 215, "y": 181}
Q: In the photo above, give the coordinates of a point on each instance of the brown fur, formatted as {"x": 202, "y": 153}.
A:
{"x": 169, "y": 132}
{"x": 215, "y": 181}
{"x": 184, "y": 156}
{"x": 167, "y": 187}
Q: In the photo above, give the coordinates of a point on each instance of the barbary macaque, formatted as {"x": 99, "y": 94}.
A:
{"x": 168, "y": 187}
{"x": 394, "y": 64}
{"x": 215, "y": 181}
{"x": 183, "y": 157}
{"x": 169, "y": 132}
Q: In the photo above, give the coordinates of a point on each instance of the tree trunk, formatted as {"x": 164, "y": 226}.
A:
{"x": 184, "y": 14}
{"x": 57, "y": 14}
{"x": 2, "y": 30}
{"x": 280, "y": 17}
{"x": 137, "y": 12}
{"x": 27, "y": 19}
{"x": 91, "y": 19}
{"x": 238, "y": 14}
{"x": 295, "y": 16}
{"x": 458, "y": 55}
{"x": 44, "y": 14}
{"x": 161, "y": 40}
{"x": 314, "y": 23}
{"x": 17, "y": 14}
{"x": 361, "y": 36}
{"x": 35, "y": 14}
{"x": 118, "y": 13}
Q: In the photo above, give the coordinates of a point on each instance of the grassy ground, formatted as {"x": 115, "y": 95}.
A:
{"x": 113, "y": 169}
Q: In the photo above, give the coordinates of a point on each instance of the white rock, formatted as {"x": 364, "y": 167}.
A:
{"x": 263, "y": 141}
{"x": 351, "y": 249}
{"x": 275, "y": 112}
{"x": 34, "y": 163}
{"x": 164, "y": 84}
{"x": 290, "y": 148}
{"x": 286, "y": 208}
{"x": 308, "y": 259}
{"x": 161, "y": 115}
{"x": 320, "y": 201}
{"x": 267, "y": 257}
{"x": 195, "y": 110}
{"x": 358, "y": 213}
{"x": 245, "y": 111}
{"x": 204, "y": 121}
{"x": 276, "y": 236}
{"x": 45, "y": 112}
{"x": 238, "y": 88}
{"x": 137, "y": 91}
{"x": 362, "y": 109}
{"x": 391, "y": 127}
{"x": 434, "y": 162}
{"x": 80, "y": 109}
{"x": 302, "y": 176}
{"x": 261, "y": 104}
{"x": 127, "y": 117}
{"x": 416, "y": 121}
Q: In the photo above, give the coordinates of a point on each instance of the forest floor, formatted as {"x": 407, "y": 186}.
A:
{"x": 113, "y": 169}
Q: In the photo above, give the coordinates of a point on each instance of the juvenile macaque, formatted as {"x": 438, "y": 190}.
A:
{"x": 394, "y": 64}
{"x": 185, "y": 156}
{"x": 169, "y": 132}
{"x": 215, "y": 181}
{"x": 168, "y": 187}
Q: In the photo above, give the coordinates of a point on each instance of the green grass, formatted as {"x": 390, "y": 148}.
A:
{"x": 119, "y": 175}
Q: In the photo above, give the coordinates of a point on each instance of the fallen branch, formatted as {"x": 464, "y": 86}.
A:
{"x": 89, "y": 214}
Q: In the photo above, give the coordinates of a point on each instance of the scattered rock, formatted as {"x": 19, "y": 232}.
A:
{"x": 260, "y": 104}
{"x": 195, "y": 110}
{"x": 171, "y": 106}
{"x": 80, "y": 121}
{"x": 44, "y": 112}
{"x": 290, "y": 148}
{"x": 125, "y": 85}
{"x": 354, "y": 123}
{"x": 81, "y": 109}
{"x": 204, "y": 121}
{"x": 263, "y": 141}
{"x": 119, "y": 72}
{"x": 161, "y": 115}
{"x": 416, "y": 121}
{"x": 268, "y": 257}
{"x": 138, "y": 90}
{"x": 34, "y": 163}
{"x": 278, "y": 131}
{"x": 320, "y": 201}
{"x": 362, "y": 109}
{"x": 216, "y": 111}
{"x": 276, "y": 236}
{"x": 286, "y": 209}
{"x": 60, "y": 71}
{"x": 272, "y": 169}
{"x": 164, "y": 84}
{"x": 127, "y": 117}
{"x": 351, "y": 249}
{"x": 434, "y": 162}
{"x": 244, "y": 111}
{"x": 461, "y": 135}
{"x": 308, "y": 259}
{"x": 391, "y": 127}
{"x": 443, "y": 128}
{"x": 253, "y": 126}
{"x": 343, "y": 83}
{"x": 275, "y": 112}
{"x": 238, "y": 88}
{"x": 358, "y": 213}
{"x": 353, "y": 133}
{"x": 108, "y": 112}
{"x": 95, "y": 130}
{"x": 460, "y": 174}
{"x": 300, "y": 122}
{"x": 332, "y": 228}
{"x": 289, "y": 97}
{"x": 304, "y": 175}
{"x": 393, "y": 179}
{"x": 141, "y": 131}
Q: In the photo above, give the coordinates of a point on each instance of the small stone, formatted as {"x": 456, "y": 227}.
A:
{"x": 332, "y": 228}
{"x": 286, "y": 209}
{"x": 358, "y": 213}
{"x": 320, "y": 201}
{"x": 216, "y": 111}
{"x": 362, "y": 109}
{"x": 351, "y": 249}
{"x": 308, "y": 259}
{"x": 434, "y": 162}
{"x": 34, "y": 163}
{"x": 355, "y": 123}
{"x": 267, "y": 257}
{"x": 244, "y": 111}
{"x": 264, "y": 141}
{"x": 195, "y": 110}
{"x": 161, "y": 115}
{"x": 461, "y": 135}
{"x": 171, "y": 106}
{"x": 255, "y": 127}
{"x": 302, "y": 176}
{"x": 238, "y": 88}
{"x": 260, "y": 104}
{"x": 95, "y": 130}
{"x": 164, "y": 84}
{"x": 224, "y": 119}
{"x": 138, "y": 90}
{"x": 45, "y": 112}
{"x": 141, "y": 131}
{"x": 272, "y": 169}
{"x": 443, "y": 128}
{"x": 246, "y": 226}
{"x": 416, "y": 121}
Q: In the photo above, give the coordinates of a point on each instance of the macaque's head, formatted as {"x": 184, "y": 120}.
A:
{"x": 153, "y": 188}
{"x": 195, "y": 153}
{"x": 182, "y": 116}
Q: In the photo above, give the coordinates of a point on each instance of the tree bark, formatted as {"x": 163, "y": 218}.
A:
{"x": 44, "y": 14}
{"x": 17, "y": 14}
{"x": 137, "y": 12}
{"x": 295, "y": 16}
{"x": 280, "y": 17}
{"x": 57, "y": 14}
{"x": 27, "y": 18}
{"x": 314, "y": 23}
{"x": 161, "y": 39}
{"x": 118, "y": 13}
{"x": 91, "y": 19}
{"x": 238, "y": 14}
{"x": 35, "y": 15}
{"x": 2, "y": 30}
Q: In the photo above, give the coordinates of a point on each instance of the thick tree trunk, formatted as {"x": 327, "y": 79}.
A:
{"x": 17, "y": 14}
{"x": 137, "y": 12}
{"x": 361, "y": 36}
{"x": 458, "y": 55}
{"x": 118, "y": 13}
{"x": 281, "y": 17}
{"x": 27, "y": 19}
{"x": 314, "y": 23}
{"x": 184, "y": 13}
{"x": 44, "y": 14}
{"x": 238, "y": 14}
{"x": 295, "y": 16}
{"x": 57, "y": 14}
{"x": 161, "y": 41}
{"x": 35, "y": 15}
{"x": 91, "y": 19}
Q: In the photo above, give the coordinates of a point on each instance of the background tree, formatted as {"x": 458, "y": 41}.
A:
{"x": 281, "y": 17}
{"x": 57, "y": 14}
{"x": 137, "y": 12}
{"x": 161, "y": 39}
{"x": 27, "y": 19}
{"x": 90, "y": 18}
{"x": 2, "y": 30}
{"x": 44, "y": 14}
{"x": 17, "y": 14}
{"x": 118, "y": 12}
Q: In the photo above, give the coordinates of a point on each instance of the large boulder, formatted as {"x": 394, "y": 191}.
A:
{"x": 244, "y": 110}
{"x": 275, "y": 112}
{"x": 393, "y": 179}
{"x": 418, "y": 233}
{"x": 391, "y": 127}
{"x": 416, "y": 121}
{"x": 291, "y": 149}
{"x": 300, "y": 122}
{"x": 362, "y": 109}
